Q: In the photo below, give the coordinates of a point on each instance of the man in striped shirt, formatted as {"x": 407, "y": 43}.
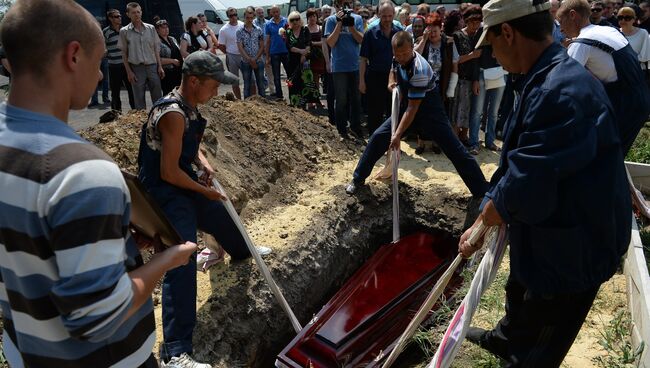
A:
{"x": 73, "y": 290}
{"x": 116, "y": 71}
{"x": 421, "y": 110}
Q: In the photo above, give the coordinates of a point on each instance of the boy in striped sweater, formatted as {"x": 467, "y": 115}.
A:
{"x": 73, "y": 290}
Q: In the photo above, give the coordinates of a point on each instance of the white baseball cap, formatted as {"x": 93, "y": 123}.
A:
{"x": 496, "y": 12}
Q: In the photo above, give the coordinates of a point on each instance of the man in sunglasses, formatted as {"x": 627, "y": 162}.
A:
{"x": 117, "y": 77}
{"x": 607, "y": 54}
{"x": 608, "y": 12}
{"x": 596, "y": 16}
{"x": 228, "y": 45}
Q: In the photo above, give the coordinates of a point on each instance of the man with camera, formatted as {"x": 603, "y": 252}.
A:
{"x": 344, "y": 32}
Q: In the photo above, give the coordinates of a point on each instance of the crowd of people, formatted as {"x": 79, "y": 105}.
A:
{"x": 565, "y": 84}
{"x": 343, "y": 54}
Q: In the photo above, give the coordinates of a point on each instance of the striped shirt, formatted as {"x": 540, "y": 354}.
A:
{"x": 64, "y": 251}
{"x": 114, "y": 54}
{"x": 418, "y": 77}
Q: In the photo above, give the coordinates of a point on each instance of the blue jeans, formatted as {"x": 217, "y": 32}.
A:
{"x": 189, "y": 211}
{"x": 247, "y": 72}
{"x": 348, "y": 101}
{"x": 493, "y": 98}
{"x": 430, "y": 122}
{"x": 276, "y": 60}
{"x": 103, "y": 84}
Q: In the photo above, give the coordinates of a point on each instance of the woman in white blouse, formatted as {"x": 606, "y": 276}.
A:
{"x": 194, "y": 39}
{"x": 638, "y": 37}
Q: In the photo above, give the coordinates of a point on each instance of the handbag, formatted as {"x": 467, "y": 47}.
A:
{"x": 494, "y": 77}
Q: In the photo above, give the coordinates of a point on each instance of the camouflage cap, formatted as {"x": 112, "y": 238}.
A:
{"x": 206, "y": 64}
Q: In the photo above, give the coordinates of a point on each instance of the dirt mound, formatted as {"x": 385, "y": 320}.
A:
{"x": 250, "y": 144}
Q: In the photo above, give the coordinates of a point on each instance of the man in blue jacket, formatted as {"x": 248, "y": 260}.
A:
{"x": 560, "y": 187}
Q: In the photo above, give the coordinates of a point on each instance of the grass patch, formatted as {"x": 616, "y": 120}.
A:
{"x": 615, "y": 339}
{"x": 640, "y": 151}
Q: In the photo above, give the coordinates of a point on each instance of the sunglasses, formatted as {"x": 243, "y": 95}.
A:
{"x": 232, "y": 15}
{"x": 596, "y": 10}
{"x": 365, "y": 17}
{"x": 625, "y": 18}
{"x": 294, "y": 20}
{"x": 116, "y": 16}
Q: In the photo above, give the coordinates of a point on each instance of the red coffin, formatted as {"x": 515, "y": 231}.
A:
{"x": 361, "y": 324}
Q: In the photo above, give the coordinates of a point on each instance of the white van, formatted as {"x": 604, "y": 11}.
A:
{"x": 214, "y": 10}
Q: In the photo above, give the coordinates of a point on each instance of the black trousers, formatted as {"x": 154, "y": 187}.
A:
{"x": 117, "y": 78}
{"x": 538, "y": 330}
{"x": 172, "y": 80}
{"x": 378, "y": 99}
{"x": 430, "y": 122}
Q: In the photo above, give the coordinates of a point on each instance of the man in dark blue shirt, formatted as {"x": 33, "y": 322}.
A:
{"x": 561, "y": 188}
{"x": 376, "y": 58}
{"x": 420, "y": 111}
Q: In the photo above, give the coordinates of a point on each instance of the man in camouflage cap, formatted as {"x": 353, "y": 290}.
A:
{"x": 207, "y": 65}
{"x": 560, "y": 188}
{"x": 169, "y": 153}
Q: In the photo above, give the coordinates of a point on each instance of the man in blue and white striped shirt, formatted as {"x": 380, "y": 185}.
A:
{"x": 116, "y": 71}
{"x": 422, "y": 111}
{"x": 73, "y": 290}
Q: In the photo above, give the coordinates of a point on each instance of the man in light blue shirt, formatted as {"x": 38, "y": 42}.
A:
{"x": 344, "y": 40}
{"x": 276, "y": 49}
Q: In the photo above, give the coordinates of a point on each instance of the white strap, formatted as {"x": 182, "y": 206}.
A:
{"x": 258, "y": 259}
{"x": 396, "y": 155}
{"x": 435, "y": 293}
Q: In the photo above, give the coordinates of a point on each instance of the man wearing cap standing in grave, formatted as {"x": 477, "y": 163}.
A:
{"x": 561, "y": 188}
{"x": 169, "y": 153}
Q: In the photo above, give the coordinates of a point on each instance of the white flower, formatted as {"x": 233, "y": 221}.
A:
{"x": 281, "y": 31}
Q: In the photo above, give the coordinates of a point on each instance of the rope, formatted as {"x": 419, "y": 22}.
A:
{"x": 396, "y": 155}
{"x": 433, "y": 296}
{"x": 258, "y": 259}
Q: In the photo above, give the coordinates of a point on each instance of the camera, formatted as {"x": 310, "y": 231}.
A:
{"x": 347, "y": 19}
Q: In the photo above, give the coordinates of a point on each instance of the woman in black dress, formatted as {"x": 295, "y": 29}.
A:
{"x": 299, "y": 75}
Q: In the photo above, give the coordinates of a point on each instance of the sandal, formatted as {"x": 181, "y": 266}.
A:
{"x": 474, "y": 150}
{"x": 494, "y": 148}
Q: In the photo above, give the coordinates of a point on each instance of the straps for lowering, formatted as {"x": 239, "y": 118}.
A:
{"x": 594, "y": 43}
{"x": 396, "y": 155}
{"x": 258, "y": 259}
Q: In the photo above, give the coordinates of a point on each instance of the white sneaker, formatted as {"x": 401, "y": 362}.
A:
{"x": 184, "y": 361}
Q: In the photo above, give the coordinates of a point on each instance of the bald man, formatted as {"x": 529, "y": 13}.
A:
{"x": 74, "y": 292}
